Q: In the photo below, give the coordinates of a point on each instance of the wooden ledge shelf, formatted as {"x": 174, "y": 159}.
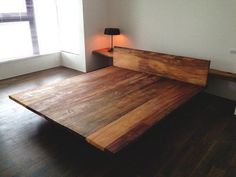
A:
{"x": 103, "y": 52}
{"x": 223, "y": 75}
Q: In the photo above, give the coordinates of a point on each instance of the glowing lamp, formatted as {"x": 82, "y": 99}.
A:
{"x": 112, "y": 32}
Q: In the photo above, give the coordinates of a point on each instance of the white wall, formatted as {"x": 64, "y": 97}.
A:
{"x": 27, "y": 65}
{"x": 71, "y": 25}
{"x": 47, "y": 25}
{"x": 74, "y": 61}
{"x": 82, "y": 24}
{"x": 96, "y": 18}
{"x": 202, "y": 29}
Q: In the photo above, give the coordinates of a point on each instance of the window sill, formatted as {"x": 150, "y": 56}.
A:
{"x": 73, "y": 53}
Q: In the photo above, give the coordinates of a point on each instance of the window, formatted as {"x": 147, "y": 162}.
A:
{"x": 28, "y": 27}
{"x": 11, "y": 6}
{"x": 18, "y": 32}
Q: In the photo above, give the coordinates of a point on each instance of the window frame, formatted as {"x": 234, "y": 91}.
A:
{"x": 28, "y": 16}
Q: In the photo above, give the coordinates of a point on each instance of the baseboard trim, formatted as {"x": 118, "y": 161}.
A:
{"x": 12, "y": 68}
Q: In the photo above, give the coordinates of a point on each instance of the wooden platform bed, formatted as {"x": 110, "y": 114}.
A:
{"x": 114, "y": 106}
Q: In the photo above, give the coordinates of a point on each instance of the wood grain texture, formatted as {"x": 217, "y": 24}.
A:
{"x": 169, "y": 95}
{"x": 190, "y": 70}
{"x": 93, "y": 104}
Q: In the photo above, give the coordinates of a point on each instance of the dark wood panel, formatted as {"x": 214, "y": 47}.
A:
{"x": 190, "y": 70}
{"x": 113, "y": 96}
{"x": 223, "y": 75}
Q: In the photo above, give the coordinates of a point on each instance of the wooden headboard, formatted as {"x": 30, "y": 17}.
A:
{"x": 190, "y": 70}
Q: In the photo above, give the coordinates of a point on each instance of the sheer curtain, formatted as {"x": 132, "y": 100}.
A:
{"x": 70, "y": 25}
{"x": 46, "y": 18}
{"x": 9, "y": 6}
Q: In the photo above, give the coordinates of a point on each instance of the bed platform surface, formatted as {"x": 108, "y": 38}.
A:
{"x": 112, "y": 107}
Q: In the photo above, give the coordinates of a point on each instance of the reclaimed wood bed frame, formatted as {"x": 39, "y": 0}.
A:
{"x": 112, "y": 107}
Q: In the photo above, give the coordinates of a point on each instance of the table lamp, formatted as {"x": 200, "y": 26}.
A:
{"x": 112, "y": 32}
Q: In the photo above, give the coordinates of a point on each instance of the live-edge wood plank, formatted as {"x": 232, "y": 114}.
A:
{"x": 91, "y": 113}
{"x": 169, "y": 94}
{"x": 88, "y": 107}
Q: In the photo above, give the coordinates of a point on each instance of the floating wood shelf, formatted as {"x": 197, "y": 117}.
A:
{"x": 223, "y": 75}
{"x": 104, "y": 52}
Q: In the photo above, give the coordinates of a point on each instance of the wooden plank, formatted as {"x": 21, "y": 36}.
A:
{"x": 190, "y": 70}
{"x": 223, "y": 75}
{"x": 65, "y": 88}
{"x": 169, "y": 95}
{"x": 88, "y": 99}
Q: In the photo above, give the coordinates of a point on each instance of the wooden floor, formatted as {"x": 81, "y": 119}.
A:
{"x": 199, "y": 139}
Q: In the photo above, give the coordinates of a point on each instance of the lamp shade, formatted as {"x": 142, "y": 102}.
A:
{"x": 112, "y": 31}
